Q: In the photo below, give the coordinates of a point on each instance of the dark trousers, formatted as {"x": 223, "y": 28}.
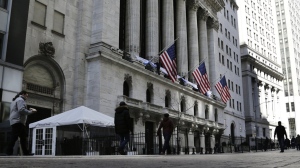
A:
{"x": 124, "y": 139}
{"x": 18, "y": 130}
{"x": 281, "y": 143}
{"x": 167, "y": 137}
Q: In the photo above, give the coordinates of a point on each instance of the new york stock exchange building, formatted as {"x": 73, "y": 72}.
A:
{"x": 98, "y": 53}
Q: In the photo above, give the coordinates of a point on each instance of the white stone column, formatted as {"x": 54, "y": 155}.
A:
{"x": 152, "y": 40}
{"x": 167, "y": 23}
{"x": 191, "y": 141}
{"x": 212, "y": 143}
{"x": 261, "y": 99}
{"x": 203, "y": 44}
{"x": 193, "y": 45}
{"x": 213, "y": 56}
{"x": 181, "y": 34}
{"x": 273, "y": 107}
{"x": 132, "y": 27}
{"x": 202, "y": 142}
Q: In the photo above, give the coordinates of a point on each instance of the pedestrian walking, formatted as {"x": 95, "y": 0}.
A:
{"x": 168, "y": 127}
{"x": 17, "y": 119}
{"x": 123, "y": 126}
{"x": 266, "y": 144}
{"x": 280, "y": 132}
{"x": 298, "y": 142}
{"x": 293, "y": 142}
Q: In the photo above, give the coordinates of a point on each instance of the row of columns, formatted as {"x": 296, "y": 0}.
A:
{"x": 191, "y": 141}
{"x": 268, "y": 100}
{"x": 193, "y": 45}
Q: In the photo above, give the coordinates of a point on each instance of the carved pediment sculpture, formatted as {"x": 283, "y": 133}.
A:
{"x": 47, "y": 49}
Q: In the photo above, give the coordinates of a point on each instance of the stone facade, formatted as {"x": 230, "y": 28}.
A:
{"x": 88, "y": 66}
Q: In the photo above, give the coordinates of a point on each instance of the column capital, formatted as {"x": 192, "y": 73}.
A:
{"x": 193, "y": 4}
{"x": 203, "y": 14}
{"x": 212, "y": 23}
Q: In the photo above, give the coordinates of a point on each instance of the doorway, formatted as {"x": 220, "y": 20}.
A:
{"x": 232, "y": 134}
{"x": 149, "y": 131}
{"x": 44, "y": 141}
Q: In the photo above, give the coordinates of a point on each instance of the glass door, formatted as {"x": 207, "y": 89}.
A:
{"x": 44, "y": 141}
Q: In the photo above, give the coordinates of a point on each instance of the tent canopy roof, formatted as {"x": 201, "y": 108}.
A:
{"x": 79, "y": 115}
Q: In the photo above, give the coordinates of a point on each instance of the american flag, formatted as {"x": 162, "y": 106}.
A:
{"x": 168, "y": 59}
{"x": 223, "y": 90}
{"x": 201, "y": 78}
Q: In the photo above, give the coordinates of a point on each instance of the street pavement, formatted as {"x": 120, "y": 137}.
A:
{"x": 290, "y": 158}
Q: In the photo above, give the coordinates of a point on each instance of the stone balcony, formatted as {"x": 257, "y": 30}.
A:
{"x": 142, "y": 109}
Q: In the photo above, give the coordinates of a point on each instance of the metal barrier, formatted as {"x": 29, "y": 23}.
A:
{"x": 138, "y": 145}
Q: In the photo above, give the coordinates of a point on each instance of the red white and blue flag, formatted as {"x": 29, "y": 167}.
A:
{"x": 201, "y": 78}
{"x": 168, "y": 59}
{"x": 223, "y": 90}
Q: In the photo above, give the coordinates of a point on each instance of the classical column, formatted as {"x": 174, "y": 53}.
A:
{"x": 273, "y": 106}
{"x": 212, "y": 143}
{"x": 193, "y": 45}
{"x": 167, "y": 23}
{"x": 202, "y": 29}
{"x": 212, "y": 38}
{"x": 152, "y": 41}
{"x": 191, "y": 142}
{"x": 268, "y": 101}
{"x": 181, "y": 34}
{"x": 202, "y": 142}
{"x": 132, "y": 27}
{"x": 261, "y": 99}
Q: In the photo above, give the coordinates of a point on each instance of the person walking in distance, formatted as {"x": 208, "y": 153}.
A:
{"x": 18, "y": 118}
{"x": 123, "y": 126}
{"x": 168, "y": 127}
{"x": 280, "y": 131}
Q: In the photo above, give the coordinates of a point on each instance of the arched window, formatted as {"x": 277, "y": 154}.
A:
{"x": 196, "y": 109}
{"x": 168, "y": 99}
{"x": 148, "y": 96}
{"x": 216, "y": 115}
{"x": 206, "y": 112}
{"x": 232, "y": 132}
{"x": 125, "y": 89}
{"x": 182, "y": 105}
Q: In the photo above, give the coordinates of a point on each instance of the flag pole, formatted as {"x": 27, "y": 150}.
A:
{"x": 197, "y": 65}
{"x": 164, "y": 49}
{"x": 220, "y": 79}
{"x": 168, "y": 46}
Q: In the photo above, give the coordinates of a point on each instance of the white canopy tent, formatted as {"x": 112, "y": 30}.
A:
{"x": 44, "y": 131}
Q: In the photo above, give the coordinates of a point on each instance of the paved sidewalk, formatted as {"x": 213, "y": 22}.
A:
{"x": 290, "y": 158}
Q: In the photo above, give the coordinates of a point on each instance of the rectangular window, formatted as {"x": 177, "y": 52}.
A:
{"x": 233, "y": 103}
{"x": 293, "y": 106}
{"x": 264, "y": 132}
{"x": 58, "y": 22}
{"x": 287, "y": 107}
{"x": 1, "y": 44}
{"x": 240, "y": 106}
{"x": 223, "y": 62}
{"x": 3, "y": 4}
{"x": 39, "y": 16}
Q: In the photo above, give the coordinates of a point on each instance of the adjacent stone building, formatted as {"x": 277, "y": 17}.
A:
{"x": 261, "y": 68}
{"x": 287, "y": 19}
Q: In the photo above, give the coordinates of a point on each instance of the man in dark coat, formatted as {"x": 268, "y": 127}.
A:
{"x": 123, "y": 126}
{"x": 280, "y": 131}
{"x": 168, "y": 127}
